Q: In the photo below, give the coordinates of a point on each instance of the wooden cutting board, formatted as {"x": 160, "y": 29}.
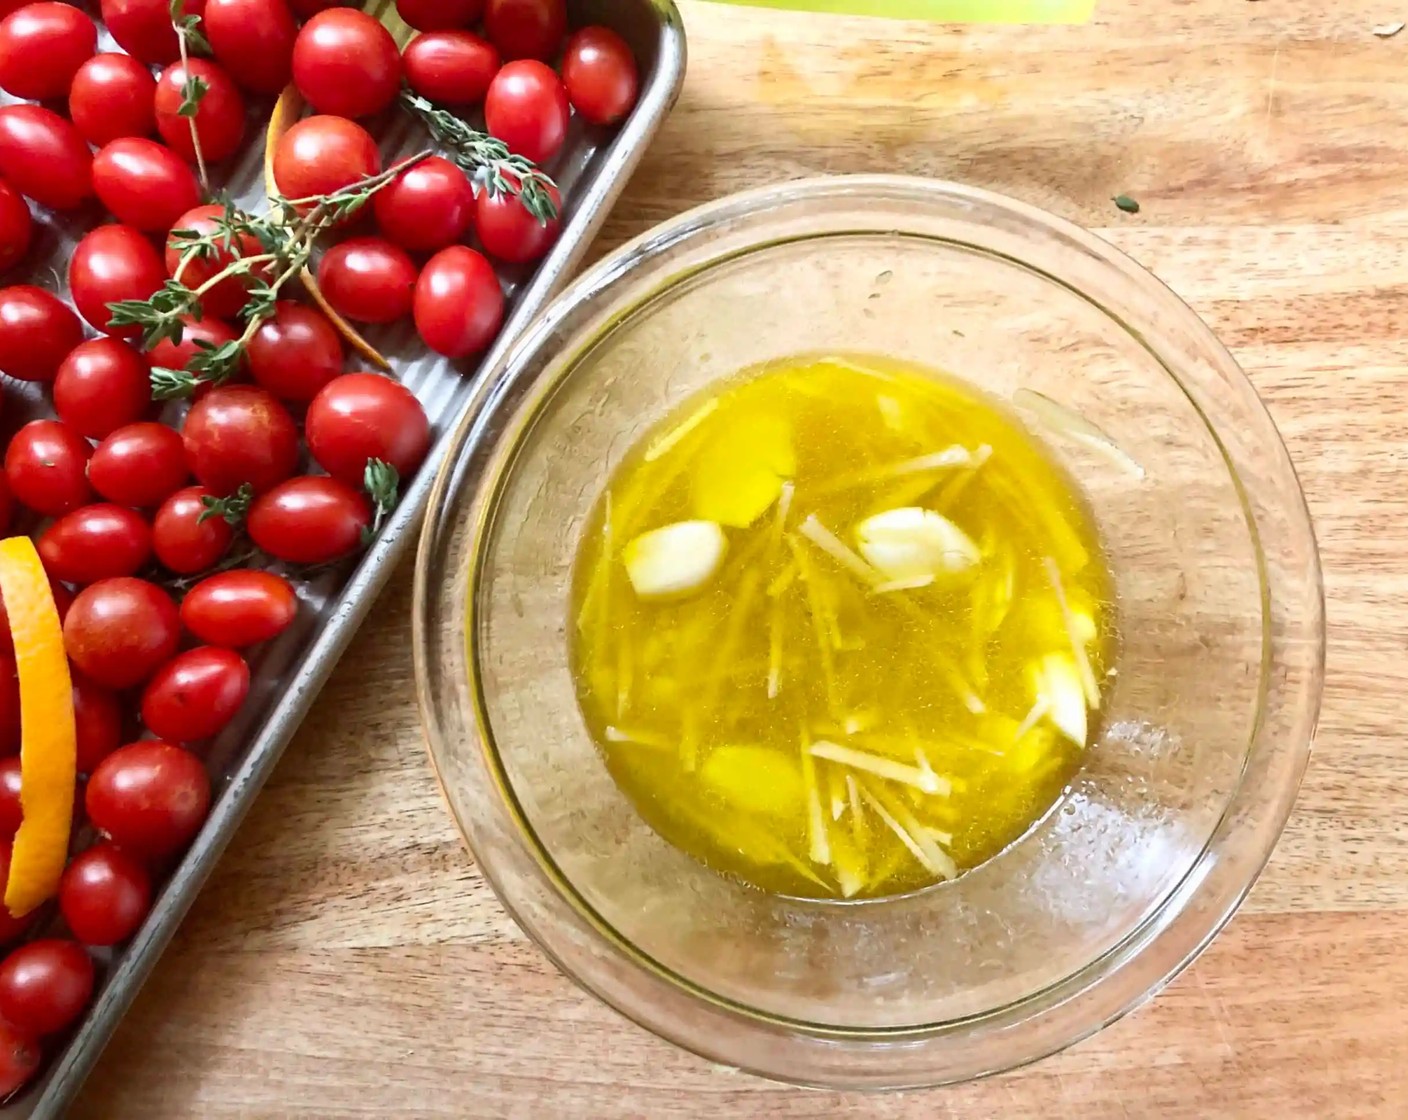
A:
{"x": 347, "y": 959}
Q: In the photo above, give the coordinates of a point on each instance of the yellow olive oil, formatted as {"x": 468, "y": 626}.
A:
{"x": 840, "y": 628}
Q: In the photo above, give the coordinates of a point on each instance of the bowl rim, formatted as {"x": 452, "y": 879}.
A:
{"x": 1230, "y": 876}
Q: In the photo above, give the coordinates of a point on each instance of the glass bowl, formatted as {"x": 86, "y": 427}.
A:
{"x": 1208, "y": 722}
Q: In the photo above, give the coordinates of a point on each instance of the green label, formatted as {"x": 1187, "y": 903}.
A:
{"x": 942, "y": 11}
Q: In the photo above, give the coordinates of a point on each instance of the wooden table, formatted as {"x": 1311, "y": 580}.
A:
{"x": 347, "y": 959}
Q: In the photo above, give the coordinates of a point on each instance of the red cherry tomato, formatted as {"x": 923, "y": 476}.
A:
{"x": 309, "y": 520}
{"x": 238, "y": 608}
{"x": 368, "y": 280}
{"x": 102, "y": 385}
{"x": 111, "y": 97}
{"x": 37, "y": 331}
{"x": 46, "y": 466}
{"x": 526, "y": 28}
{"x": 149, "y": 797}
{"x": 240, "y": 434}
{"x": 439, "y": 15}
{"x": 113, "y": 263}
{"x": 41, "y": 48}
{"x": 459, "y": 305}
{"x": 11, "y": 813}
{"x": 139, "y": 465}
{"x": 143, "y": 183}
{"x": 120, "y": 631}
{"x": 183, "y": 542}
{"x": 104, "y": 895}
{"x": 225, "y": 300}
{"x": 322, "y": 154}
{"x": 526, "y": 108}
{"x": 97, "y": 720}
{"x": 10, "y": 926}
{"x": 254, "y": 40}
{"x": 426, "y": 207}
{"x": 143, "y": 27}
{"x": 95, "y": 542}
{"x": 19, "y": 1059}
{"x": 219, "y": 119}
{"x": 451, "y": 67}
{"x": 196, "y": 335}
{"x": 365, "y": 416}
{"x": 509, "y": 232}
{"x": 195, "y": 694}
{"x": 44, "y": 157}
{"x": 346, "y": 63}
{"x": 45, "y": 985}
{"x": 599, "y": 72}
{"x": 295, "y": 352}
{"x": 16, "y": 227}
{"x": 306, "y": 9}
{"x": 10, "y": 730}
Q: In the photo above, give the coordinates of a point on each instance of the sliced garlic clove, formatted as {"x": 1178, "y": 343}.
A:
{"x": 911, "y": 542}
{"x": 1056, "y": 681}
{"x": 675, "y": 560}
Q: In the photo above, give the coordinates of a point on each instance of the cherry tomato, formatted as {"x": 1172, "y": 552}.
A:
{"x": 509, "y": 232}
{"x": 451, "y": 67}
{"x": 104, "y": 895}
{"x": 102, "y": 385}
{"x": 45, "y": 985}
{"x": 225, "y": 300}
{"x": 113, "y": 263}
{"x": 7, "y": 507}
{"x": 120, "y": 631}
{"x": 439, "y": 15}
{"x": 295, "y": 352}
{"x": 16, "y": 227}
{"x": 41, "y": 48}
{"x": 219, "y": 119}
{"x": 184, "y": 543}
{"x": 143, "y": 183}
{"x": 46, "y": 466}
{"x": 459, "y": 305}
{"x": 238, "y": 608}
{"x": 321, "y": 154}
{"x": 196, "y": 335}
{"x": 346, "y": 63}
{"x": 426, "y": 207}
{"x": 10, "y": 730}
{"x": 95, "y": 542}
{"x": 37, "y": 331}
{"x": 111, "y": 97}
{"x": 238, "y": 434}
{"x": 10, "y": 926}
{"x": 526, "y": 28}
{"x": 44, "y": 157}
{"x": 368, "y": 280}
{"x": 139, "y": 465}
{"x": 599, "y": 72}
{"x": 97, "y": 720}
{"x": 19, "y": 1059}
{"x": 149, "y": 797}
{"x": 254, "y": 40}
{"x": 309, "y": 520}
{"x": 306, "y": 9}
{"x": 11, "y": 813}
{"x": 195, "y": 694}
{"x": 143, "y": 27}
{"x": 365, "y": 416}
{"x": 526, "y": 108}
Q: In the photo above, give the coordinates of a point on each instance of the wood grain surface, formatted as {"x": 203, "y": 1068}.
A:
{"x": 347, "y": 960}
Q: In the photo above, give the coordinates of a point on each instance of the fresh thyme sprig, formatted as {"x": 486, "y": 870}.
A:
{"x": 382, "y": 483}
{"x": 188, "y": 38}
{"x": 489, "y": 163}
{"x": 287, "y": 236}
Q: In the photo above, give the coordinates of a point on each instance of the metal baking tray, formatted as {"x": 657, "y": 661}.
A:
{"x": 592, "y": 171}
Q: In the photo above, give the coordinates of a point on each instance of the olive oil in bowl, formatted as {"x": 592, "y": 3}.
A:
{"x": 840, "y": 628}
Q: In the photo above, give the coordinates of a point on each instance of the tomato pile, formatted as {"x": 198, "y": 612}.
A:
{"x": 210, "y": 446}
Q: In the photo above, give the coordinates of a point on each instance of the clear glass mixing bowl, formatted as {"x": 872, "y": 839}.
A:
{"x": 1209, "y": 721}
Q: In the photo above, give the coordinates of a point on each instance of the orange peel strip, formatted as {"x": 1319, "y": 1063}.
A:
{"x": 286, "y": 111}
{"x": 48, "y": 751}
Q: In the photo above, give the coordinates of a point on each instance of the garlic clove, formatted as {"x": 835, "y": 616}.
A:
{"x": 1056, "y": 680}
{"x": 911, "y": 542}
{"x": 675, "y": 560}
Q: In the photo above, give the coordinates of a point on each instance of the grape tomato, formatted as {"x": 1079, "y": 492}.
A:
{"x": 149, "y": 797}
{"x": 310, "y": 520}
{"x": 239, "y": 608}
{"x": 439, "y": 15}
{"x": 295, "y": 352}
{"x": 46, "y": 465}
{"x": 253, "y": 39}
{"x": 104, "y": 895}
{"x": 111, "y": 97}
{"x": 139, "y": 465}
{"x": 102, "y": 385}
{"x": 240, "y": 435}
{"x": 95, "y": 542}
{"x": 459, "y": 305}
{"x": 363, "y": 416}
{"x": 120, "y": 631}
{"x": 526, "y": 107}
{"x": 111, "y": 264}
{"x": 226, "y": 298}
{"x": 143, "y": 183}
{"x": 219, "y": 119}
{"x": 37, "y": 332}
{"x": 42, "y": 46}
{"x": 368, "y": 280}
{"x": 184, "y": 539}
{"x": 45, "y": 157}
{"x": 427, "y": 207}
{"x": 509, "y": 232}
{"x": 346, "y": 63}
{"x": 526, "y": 28}
{"x": 16, "y": 227}
{"x": 143, "y": 28}
{"x": 45, "y": 985}
{"x": 600, "y": 74}
{"x": 451, "y": 67}
{"x": 97, "y": 720}
{"x": 195, "y": 694}
{"x": 322, "y": 154}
